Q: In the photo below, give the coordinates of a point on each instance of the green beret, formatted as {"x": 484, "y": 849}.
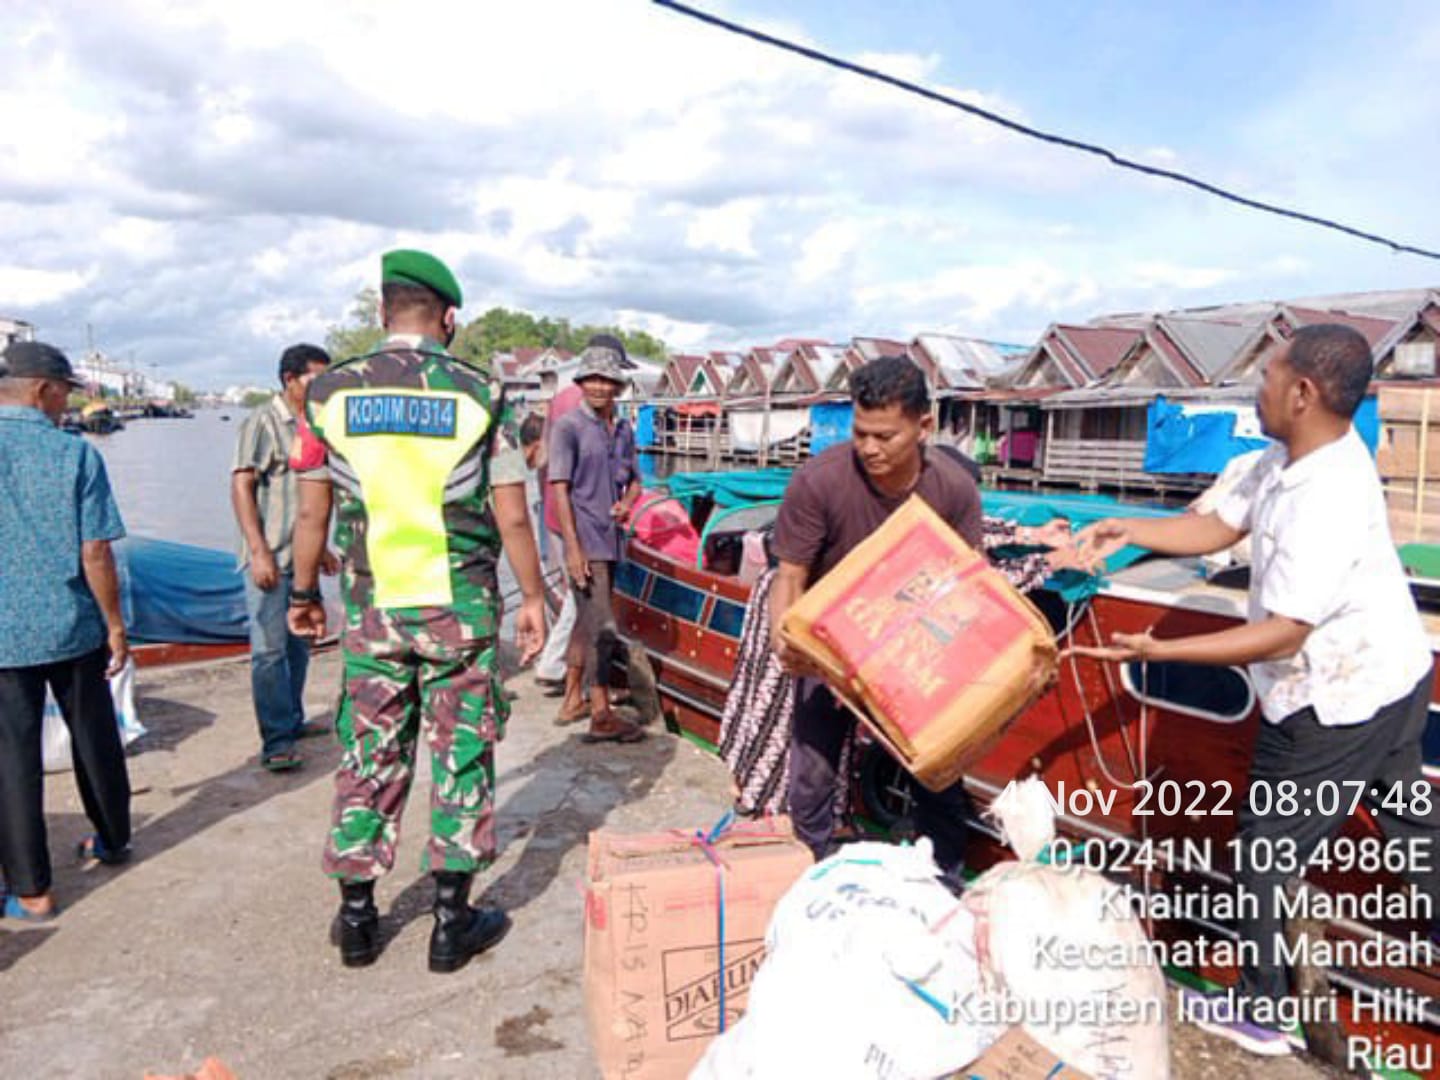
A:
{"x": 420, "y": 268}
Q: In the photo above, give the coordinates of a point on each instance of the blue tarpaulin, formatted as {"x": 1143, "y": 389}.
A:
{"x": 645, "y": 426}
{"x": 180, "y": 593}
{"x": 1184, "y": 439}
{"x": 830, "y": 424}
{"x": 1367, "y": 423}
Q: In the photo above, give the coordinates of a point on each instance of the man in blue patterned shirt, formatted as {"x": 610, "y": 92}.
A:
{"x": 60, "y": 624}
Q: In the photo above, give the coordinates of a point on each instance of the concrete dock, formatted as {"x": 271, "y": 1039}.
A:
{"x": 213, "y": 940}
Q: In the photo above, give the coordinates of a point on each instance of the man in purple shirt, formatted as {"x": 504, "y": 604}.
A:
{"x": 595, "y": 478}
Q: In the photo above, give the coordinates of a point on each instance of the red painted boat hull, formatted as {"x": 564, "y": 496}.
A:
{"x": 675, "y": 613}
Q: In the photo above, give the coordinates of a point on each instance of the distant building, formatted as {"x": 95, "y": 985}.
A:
{"x": 15, "y": 330}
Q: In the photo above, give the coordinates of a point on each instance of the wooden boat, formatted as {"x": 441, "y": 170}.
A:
{"x": 1188, "y": 729}
{"x": 167, "y": 653}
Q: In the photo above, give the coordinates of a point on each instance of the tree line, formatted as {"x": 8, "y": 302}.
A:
{"x": 499, "y": 330}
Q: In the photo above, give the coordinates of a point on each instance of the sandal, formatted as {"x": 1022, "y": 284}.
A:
{"x": 281, "y": 761}
{"x": 607, "y": 727}
{"x": 13, "y": 909}
{"x": 92, "y": 850}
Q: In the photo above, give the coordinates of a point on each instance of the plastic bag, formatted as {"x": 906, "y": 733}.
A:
{"x": 868, "y": 961}
{"x": 1062, "y": 956}
{"x": 55, "y": 736}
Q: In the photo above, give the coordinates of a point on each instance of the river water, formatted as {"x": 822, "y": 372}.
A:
{"x": 172, "y": 477}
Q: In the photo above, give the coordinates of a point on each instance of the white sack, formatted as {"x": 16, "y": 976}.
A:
{"x": 1058, "y": 955}
{"x": 55, "y": 736}
{"x": 868, "y": 961}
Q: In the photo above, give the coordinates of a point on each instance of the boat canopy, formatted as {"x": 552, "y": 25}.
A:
{"x": 732, "y": 490}
{"x": 180, "y": 593}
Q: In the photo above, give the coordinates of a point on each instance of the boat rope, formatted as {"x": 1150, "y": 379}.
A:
{"x": 1113, "y": 690}
{"x": 1140, "y": 768}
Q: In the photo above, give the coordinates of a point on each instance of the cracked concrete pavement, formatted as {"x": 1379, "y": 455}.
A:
{"x": 213, "y": 940}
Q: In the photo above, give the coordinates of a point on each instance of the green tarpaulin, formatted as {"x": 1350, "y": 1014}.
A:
{"x": 732, "y": 489}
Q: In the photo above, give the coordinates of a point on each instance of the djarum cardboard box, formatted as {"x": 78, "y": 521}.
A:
{"x": 1016, "y": 1056}
{"x": 930, "y": 644}
{"x": 674, "y": 933}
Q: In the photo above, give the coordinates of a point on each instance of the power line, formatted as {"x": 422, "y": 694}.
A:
{"x": 1035, "y": 133}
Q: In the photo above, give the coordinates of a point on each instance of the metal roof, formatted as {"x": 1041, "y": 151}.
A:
{"x": 1122, "y": 397}
{"x": 957, "y": 353}
{"x": 1208, "y": 345}
{"x": 824, "y": 361}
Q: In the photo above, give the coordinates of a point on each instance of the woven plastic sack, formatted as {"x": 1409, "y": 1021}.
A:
{"x": 868, "y": 962}
{"x": 1054, "y": 952}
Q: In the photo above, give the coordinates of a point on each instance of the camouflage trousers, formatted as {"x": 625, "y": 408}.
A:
{"x": 403, "y": 671}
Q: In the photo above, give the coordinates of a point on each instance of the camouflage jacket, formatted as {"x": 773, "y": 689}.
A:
{"x": 414, "y": 440}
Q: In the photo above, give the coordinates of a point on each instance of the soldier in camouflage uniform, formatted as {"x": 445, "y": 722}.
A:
{"x": 413, "y": 444}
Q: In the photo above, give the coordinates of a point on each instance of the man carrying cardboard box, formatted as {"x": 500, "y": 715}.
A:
{"x": 833, "y": 503}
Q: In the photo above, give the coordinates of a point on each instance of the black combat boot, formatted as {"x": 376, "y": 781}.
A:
{"x": 460, "y": 930}
{"x": 357, "y": 926}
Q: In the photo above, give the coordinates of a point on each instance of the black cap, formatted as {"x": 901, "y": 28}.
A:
{"x": 36, "y": 360}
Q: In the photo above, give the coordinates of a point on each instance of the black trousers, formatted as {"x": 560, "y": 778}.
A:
{"x": 83, "y": 694}
{"x": 595, "y": 641}
{"x": 817, "y": 735}
{"x": 1381, "y": 752}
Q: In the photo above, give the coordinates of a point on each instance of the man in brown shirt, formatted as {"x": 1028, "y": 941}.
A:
{"x": 833, "y": 503}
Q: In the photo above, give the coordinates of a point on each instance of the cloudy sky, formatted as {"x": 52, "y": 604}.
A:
{"x": 205, "y": 183}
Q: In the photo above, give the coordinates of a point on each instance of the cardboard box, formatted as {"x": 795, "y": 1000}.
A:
{"x": 1398, "y": 454}
{"x": 1408, "y": 528}
{"x": 1400, "y": 495}
{"x": 652, "y": 939}
{"x": 1410, "y": 402}
{"x": 1016, "y": 1056}
{"x": 938, "y": 651}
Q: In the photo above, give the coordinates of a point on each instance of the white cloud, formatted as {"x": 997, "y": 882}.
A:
{"x": 139, "y": 237}
{"x": 680, "y": 335}
{"x": 280, "y": 321}
{"x": 982, "y": 292}
{"x": 203, "y": 181}
{"x": 25, "y": 286}
{"x": 724, "y": 228}
{"x": 826, "y": 250}
{"x": 1157, "y": 274}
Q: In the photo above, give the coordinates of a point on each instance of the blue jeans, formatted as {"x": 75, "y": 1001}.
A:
{"x": 542, "y": 536}
{"x": 278, "y": 662}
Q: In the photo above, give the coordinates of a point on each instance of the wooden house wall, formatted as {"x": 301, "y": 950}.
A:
{"x": 1096, "y": 447}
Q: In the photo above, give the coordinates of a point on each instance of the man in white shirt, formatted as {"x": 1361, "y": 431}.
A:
{"x": 1334, "y": 644}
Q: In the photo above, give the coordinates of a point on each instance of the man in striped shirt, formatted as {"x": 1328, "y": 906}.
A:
{"x": 264, "y": 495}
